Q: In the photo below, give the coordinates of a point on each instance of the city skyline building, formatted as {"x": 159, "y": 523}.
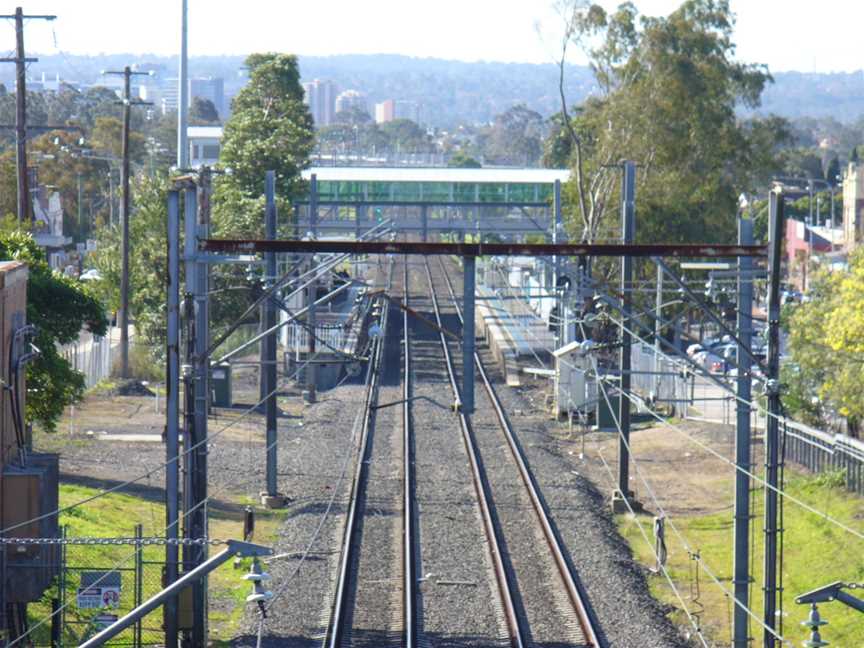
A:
{"x": 320, "y": 96}
{"x": 351, "y": 99}
{"x": 385, "y": 111}
{"x": 405, "y": 109}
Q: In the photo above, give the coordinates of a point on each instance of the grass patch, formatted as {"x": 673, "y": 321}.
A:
{"x": 115, "y": 515}
{"x": 816, "y": 553}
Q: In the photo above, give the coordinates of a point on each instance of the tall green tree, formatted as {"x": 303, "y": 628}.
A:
{"x": 825, "y": 341}
{"x": 148, "y": 263}
{"x": 668, "y": 92}
{"x": 270, "y": 129}
{"x": 59, "y": 307}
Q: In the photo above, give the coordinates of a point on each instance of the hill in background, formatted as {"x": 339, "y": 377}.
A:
{"x": 453, "y": 92}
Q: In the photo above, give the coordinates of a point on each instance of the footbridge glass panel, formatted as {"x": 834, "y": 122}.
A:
{"x": 503, "y": 201}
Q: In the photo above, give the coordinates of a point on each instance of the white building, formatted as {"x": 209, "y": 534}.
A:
{"x": 48, "y": 226}
{"x": 205, "y": 144}
{"x": 351, "y": 99}
{"x": 385, "y": 111}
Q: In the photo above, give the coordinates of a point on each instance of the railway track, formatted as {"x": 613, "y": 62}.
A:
{"x": 375, "y": 586}
{"x": 517, "y": 586}
{"x": 542, "y": 601}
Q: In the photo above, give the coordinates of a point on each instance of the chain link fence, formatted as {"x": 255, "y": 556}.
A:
{"x": 99, "y": 581}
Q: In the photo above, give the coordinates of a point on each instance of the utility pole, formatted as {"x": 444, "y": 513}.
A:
{"x": 127, "y": 104}
{"x": 741, "y": 561}
{"x": 628, "y": 227}
{"x": 772, "y": 426}
{"x": 21, "y": 109}
{"x": 183, "y": 89}
{"x": 468, "y": 333}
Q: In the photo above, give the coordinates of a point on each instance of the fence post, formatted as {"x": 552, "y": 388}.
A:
{"x": 63, "y": 602}
{"x": 139, "y": 578}
{"x": 56, "y": 623}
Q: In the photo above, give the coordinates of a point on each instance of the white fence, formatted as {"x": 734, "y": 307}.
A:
{"x": 91, "y": 355}
{"x": 657, "y": 376}
{"x": 328, "y": 337}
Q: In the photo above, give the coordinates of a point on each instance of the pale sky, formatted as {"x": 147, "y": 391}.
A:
{"x": 823, "y": 37}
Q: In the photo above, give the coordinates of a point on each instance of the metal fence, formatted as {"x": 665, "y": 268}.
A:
{"x": 821, "y": 452}
{"x": 91, "y": 355}
{"x": 328, "y": 336}
{"x": 97, "y": 584}
{"x": 658, "y": 377}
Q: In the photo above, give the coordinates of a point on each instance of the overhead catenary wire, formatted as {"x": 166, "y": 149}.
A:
{"x": 663, "y": 512}
{"x": 660, "y": 564}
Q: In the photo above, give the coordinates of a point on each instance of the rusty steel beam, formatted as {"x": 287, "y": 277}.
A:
{"x": 482, "y": 249}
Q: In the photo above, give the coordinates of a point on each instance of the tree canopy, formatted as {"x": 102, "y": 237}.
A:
{"x": 668, "y": 92}
{"x": 270, "y": 129}
{"x": 202, "y": 111}
{"x": 825, "y": 341}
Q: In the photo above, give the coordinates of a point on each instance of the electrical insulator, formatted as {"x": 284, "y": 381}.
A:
{"x": 814, "y": 622}
{"x": 259, "y": 595}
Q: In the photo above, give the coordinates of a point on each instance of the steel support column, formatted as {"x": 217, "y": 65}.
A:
{"x": 741, "y": 560}
{"x": 268, "y": 344}
{"x": 424, "y": 220}
{"x": 628, "y": 224}
{"x": 468, "y": 334}
{"x": 772, "y": 425}
{"x": 196, "y": 227}
{"x": 172, "y": 416}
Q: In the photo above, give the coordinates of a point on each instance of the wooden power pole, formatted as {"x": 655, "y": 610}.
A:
{"x": 127, "y": 103}
{"x": 20, "y": 62}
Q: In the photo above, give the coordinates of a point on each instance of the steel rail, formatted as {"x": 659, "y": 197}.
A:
{"x": 337, "y": 623}
{"x": 573, "y": 591}
{"x": 409, "y": 592}
{"x": 505, "y": 584}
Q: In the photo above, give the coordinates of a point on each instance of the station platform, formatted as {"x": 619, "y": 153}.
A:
{"x": 516, "y": 335}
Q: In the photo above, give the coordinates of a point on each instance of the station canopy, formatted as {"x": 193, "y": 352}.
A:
{"x": 378, "y": 185}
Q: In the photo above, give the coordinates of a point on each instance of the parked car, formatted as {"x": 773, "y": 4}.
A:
{"x": 711, "y": 361}
{"x": 90, "y": 275}
{"x": 693, "y": 349}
